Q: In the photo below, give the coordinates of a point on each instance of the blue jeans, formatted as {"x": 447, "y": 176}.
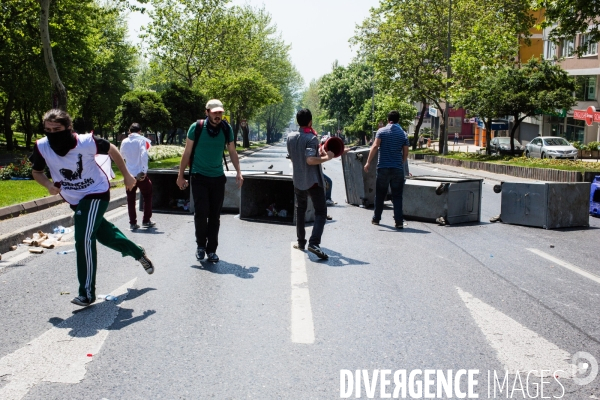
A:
{"x": 394, "y": 178}
{"x": 328, "y": 186}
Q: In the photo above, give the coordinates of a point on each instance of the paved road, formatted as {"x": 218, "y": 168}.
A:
{"x": 270, "y": 322}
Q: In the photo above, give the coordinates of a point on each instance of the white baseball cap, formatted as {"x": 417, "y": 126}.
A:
{"x": 215, "y": 105}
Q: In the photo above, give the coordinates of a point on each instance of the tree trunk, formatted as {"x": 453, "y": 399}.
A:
{"x": 8, "y": 133}
{"x": 58, "y": 88}
{"x": 418, "y": 127}
{"x": 25, "y": 118}
{"x": 246, "y": 136}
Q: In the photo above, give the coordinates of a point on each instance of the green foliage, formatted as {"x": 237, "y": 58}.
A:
{"x": 567, "y": 18}
{"x": 145, "y": 108}
{"x": 310, "y": 99}
{"x": 384, "y": 103}
{"x": 184, "y": 104}
{"x": 593, "y": 146}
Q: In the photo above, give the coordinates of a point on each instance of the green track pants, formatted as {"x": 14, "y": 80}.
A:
{"x": 90, "y": 226}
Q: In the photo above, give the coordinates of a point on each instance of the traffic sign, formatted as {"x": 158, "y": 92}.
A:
{"x": 433, "y": 111}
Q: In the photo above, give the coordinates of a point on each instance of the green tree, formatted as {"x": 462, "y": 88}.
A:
{"x": 185, "y": 105}
{"x": 491, "y": 45}
{"x": 276, "y": 117}
{"x": 144, "y": 107}
{"x": 537, "y": 87}
{"x": 570, "y": 17}
{"x": 244, "y": 94}
{"x": 310, "y": 99}
{"x": 384, "y": 103}
{"x": 344, "y": 91}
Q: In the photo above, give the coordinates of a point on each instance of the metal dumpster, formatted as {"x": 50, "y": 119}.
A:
{"x": 548, "y": 205}
{"x": 231, "y": 202}
{"x": 166, "y": 195}
{"x": 360, "y": 185}
{"x": 595, "y": 197}
{"x": 261, "y": 191}
{"x": 456, "y": 200}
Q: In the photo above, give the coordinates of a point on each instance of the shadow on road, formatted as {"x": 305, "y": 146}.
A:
{"x": 101, "y": 315}
{"x": 406, "y": 229}
{"x": 335, "y": 259}
{"x": 225, "y": 268}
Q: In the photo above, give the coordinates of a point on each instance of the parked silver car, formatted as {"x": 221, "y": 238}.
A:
{"x": 550, "y": 147}
{"x": 501, "y": 145}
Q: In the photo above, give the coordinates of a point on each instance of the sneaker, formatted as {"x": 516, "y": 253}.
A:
{"x": 316, "y": 250}
{"x": 133, "y": 227}
{"x": 146, "y": 263}
{"x": 375, "y": 222}
{"x": 329, "y": 218}
{"x": 329, "y": 202}
{"x": 148, "y": 224}
{"x": 200, "y": 252}
{"x": 82, "y": 301}
{"x": 212, "y": 257}
{"x": 298, "y": 247}
{"x": 400, "y": 225}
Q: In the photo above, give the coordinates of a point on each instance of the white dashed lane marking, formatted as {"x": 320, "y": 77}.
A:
{"x": 517, "y": 347}
{"x": 566, "y": 265}
{"x": 59, "y": 355}
{"x": 303, "y": 329}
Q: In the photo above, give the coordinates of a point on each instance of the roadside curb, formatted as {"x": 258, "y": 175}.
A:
{"x": 541, "y": 174}
{"x": 48, "y": 225}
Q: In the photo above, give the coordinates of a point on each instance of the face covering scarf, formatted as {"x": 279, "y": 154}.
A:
{"x": 61, "y": 142}
{"x": 310, "y": 130}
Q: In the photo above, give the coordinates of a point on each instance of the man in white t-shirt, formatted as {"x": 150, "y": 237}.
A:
{"x": 134, "y": 150}
{"x": 78, "y": 178}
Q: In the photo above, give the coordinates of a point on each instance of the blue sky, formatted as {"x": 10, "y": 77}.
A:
{"x": 318, "y": 30}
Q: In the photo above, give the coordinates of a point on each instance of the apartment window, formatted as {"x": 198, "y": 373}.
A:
{"x": 586, "y": 88}
{"x": 567, "y": 47}
{"x": 550, "y": 50}
{"x": 589, "y": 48}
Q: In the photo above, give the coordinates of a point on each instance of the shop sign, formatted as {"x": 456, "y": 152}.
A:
{"x": 589, "y": 116}
{"x": 433, "y": 111}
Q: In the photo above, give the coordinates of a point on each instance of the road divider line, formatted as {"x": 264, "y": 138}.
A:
{"x": 303, "y": 329}
{"x": 517, "y": 347}
{"x": 59, "y": 355}
{"x": 567, "y": 265}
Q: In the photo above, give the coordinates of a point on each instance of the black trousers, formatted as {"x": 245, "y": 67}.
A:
{"x": 208, "y": 200}
{"x": 317, "y": 194}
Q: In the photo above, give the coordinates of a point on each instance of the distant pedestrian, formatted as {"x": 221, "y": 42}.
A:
{"x": 307, "y": 156}
{"x": 456, "y": 138}
{"x": 134, "y": 150}
{"x": 81, "y": 182}
{"x": 421, "y": 140}
{"x": 391, "y": 145}
{"x": 204, "y": 146}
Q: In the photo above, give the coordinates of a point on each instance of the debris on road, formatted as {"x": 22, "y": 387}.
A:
{"x": 13, "y": 248}
{"x": 36, "y": 250}
{"x": 496, "y": 218}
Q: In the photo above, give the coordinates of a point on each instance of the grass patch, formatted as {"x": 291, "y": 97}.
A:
{"x": 15, "y": 192}
{"x": 166, "y": 163}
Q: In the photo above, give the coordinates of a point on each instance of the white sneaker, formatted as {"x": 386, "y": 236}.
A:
{"x": 329, "y": 202}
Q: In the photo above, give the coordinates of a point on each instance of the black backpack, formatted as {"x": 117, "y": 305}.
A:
{"x": 225, "y": 128}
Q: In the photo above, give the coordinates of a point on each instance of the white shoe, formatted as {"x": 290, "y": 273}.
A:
{"x": 329, "y": 202}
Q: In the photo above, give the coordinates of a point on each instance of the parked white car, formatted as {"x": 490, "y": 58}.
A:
{"x": 550, "y": 147}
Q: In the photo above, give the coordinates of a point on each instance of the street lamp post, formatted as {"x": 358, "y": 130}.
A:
{"x": 448, "y": 72}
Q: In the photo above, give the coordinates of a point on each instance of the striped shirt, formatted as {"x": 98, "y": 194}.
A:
{"x": 393, "y": 138}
